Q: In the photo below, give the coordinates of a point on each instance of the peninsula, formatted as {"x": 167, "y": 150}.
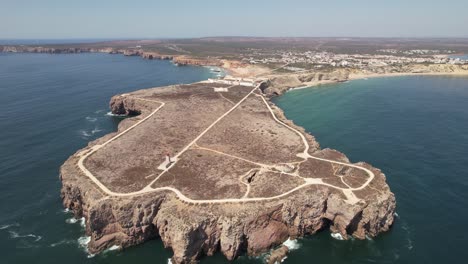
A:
{"x": 215, "y": 166}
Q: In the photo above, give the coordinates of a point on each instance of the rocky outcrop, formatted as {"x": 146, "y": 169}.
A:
{"x": 193, "y": 231}
{"x": 179, "y": 60}
{"x": 196, "y": 230}
{"x": 280, "y": 83}
{"x": 183, "y": 60}
{"x": 155, "y": 56}
{"x": 278, "y": 255}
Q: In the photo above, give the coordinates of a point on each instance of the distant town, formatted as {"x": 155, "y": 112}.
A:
{"x": 387, "y": 57}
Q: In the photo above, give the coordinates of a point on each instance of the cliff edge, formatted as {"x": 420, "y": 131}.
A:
{"x": 211, "y": 167}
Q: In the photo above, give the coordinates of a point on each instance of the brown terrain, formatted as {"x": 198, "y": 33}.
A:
{"x": 243, "y": 178}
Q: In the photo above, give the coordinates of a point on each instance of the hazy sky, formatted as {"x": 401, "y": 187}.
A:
{"x": 197, "y": 18}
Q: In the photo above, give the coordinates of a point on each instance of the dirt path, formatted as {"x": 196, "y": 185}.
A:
{"x": 348, "y": 192}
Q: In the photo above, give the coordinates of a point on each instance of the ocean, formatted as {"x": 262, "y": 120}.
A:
{"x": 51, "y": 106}
{"x": 413, "y": 128}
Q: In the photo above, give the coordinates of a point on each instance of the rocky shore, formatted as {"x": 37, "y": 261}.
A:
{"x": 196, "y": 230}
{"x": 277, "y": 84}
{"x": 177, "y": 59}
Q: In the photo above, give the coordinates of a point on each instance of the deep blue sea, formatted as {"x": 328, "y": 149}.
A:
{"x": 51, "y": 106}
{"x": 413, "y": 128}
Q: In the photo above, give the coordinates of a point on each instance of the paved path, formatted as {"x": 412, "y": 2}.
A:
{"x": 348, "y": 192}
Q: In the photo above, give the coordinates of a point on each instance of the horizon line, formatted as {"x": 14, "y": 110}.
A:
{"x": 240, "y": 36}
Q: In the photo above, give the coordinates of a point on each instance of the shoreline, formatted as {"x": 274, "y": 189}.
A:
{"x": 237, "y": 69}
{"x": 88, "y": 204}
{"x": 356, "y": 77}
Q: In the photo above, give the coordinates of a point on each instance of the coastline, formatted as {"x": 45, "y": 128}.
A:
{"x": 236, "y": 237}
{"x": 374, "y": 76}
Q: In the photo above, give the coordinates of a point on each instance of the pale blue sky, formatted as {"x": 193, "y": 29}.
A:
{"x": 198, "y": 18}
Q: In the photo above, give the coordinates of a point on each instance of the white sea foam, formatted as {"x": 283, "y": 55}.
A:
{"x": 337, "y": 236}
{"x": 71, "y": 220}
{"x": 66, "y": 210}
{"x": 396, "y": 215}
{"x": 91, "y": 119}
{"x": 85, "y": 133}
{"x": 83, "y": 243}
{"x": 62, "y": 242}
{"x": 283, "y": 259}
{"x": 169, "y": 261}
{"x": 410, "y": 244}
{"x": 96, "y": 130}
{"x": 3, "y": 227}
{"x": 111, "y": 114}
{"x": 369, "y": 238}
{"x": 15, "y": 235}
{"x": 292, "y": 244}
{"x": 113, "y": 248}
{"x": 82, "y": 222}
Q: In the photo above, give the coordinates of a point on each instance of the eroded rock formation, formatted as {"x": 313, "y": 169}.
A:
{"x": 233, "y": 228}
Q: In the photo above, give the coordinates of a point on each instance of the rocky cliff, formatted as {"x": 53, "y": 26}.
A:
{"x": 279, "y": 83}
{"x": 179, "y": 60}
{"x": 196, "y": 230}
{"x": 184, "y": 60}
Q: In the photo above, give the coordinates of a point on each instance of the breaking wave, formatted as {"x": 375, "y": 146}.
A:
{"x": 91, "y": 119}
{"x": 113, "y": 248}
{"x": 81, "y": 221}
{"x": 111, "y": 114}
{"x": 83, "y": 243}
{"x": 71, "y": 220}
{"x": 292, "y": 244}
{"x": 91, "y": 133}
{"x": 15, "y": 235}
{"x": 62, "y": 242}
{"x": 337, "y": 236}
{"x": 3, "y": 227}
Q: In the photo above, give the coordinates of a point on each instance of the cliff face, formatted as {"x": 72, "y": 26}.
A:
{"x": 193, "y": 231}
{"x": 183, "y": 60}
{"x": 196, "y": 230}
{"x": 179, "y": 60}
{"x": 280, "y": 83}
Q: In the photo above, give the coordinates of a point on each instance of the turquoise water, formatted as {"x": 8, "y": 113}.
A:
{"x": 413, "y": 128}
